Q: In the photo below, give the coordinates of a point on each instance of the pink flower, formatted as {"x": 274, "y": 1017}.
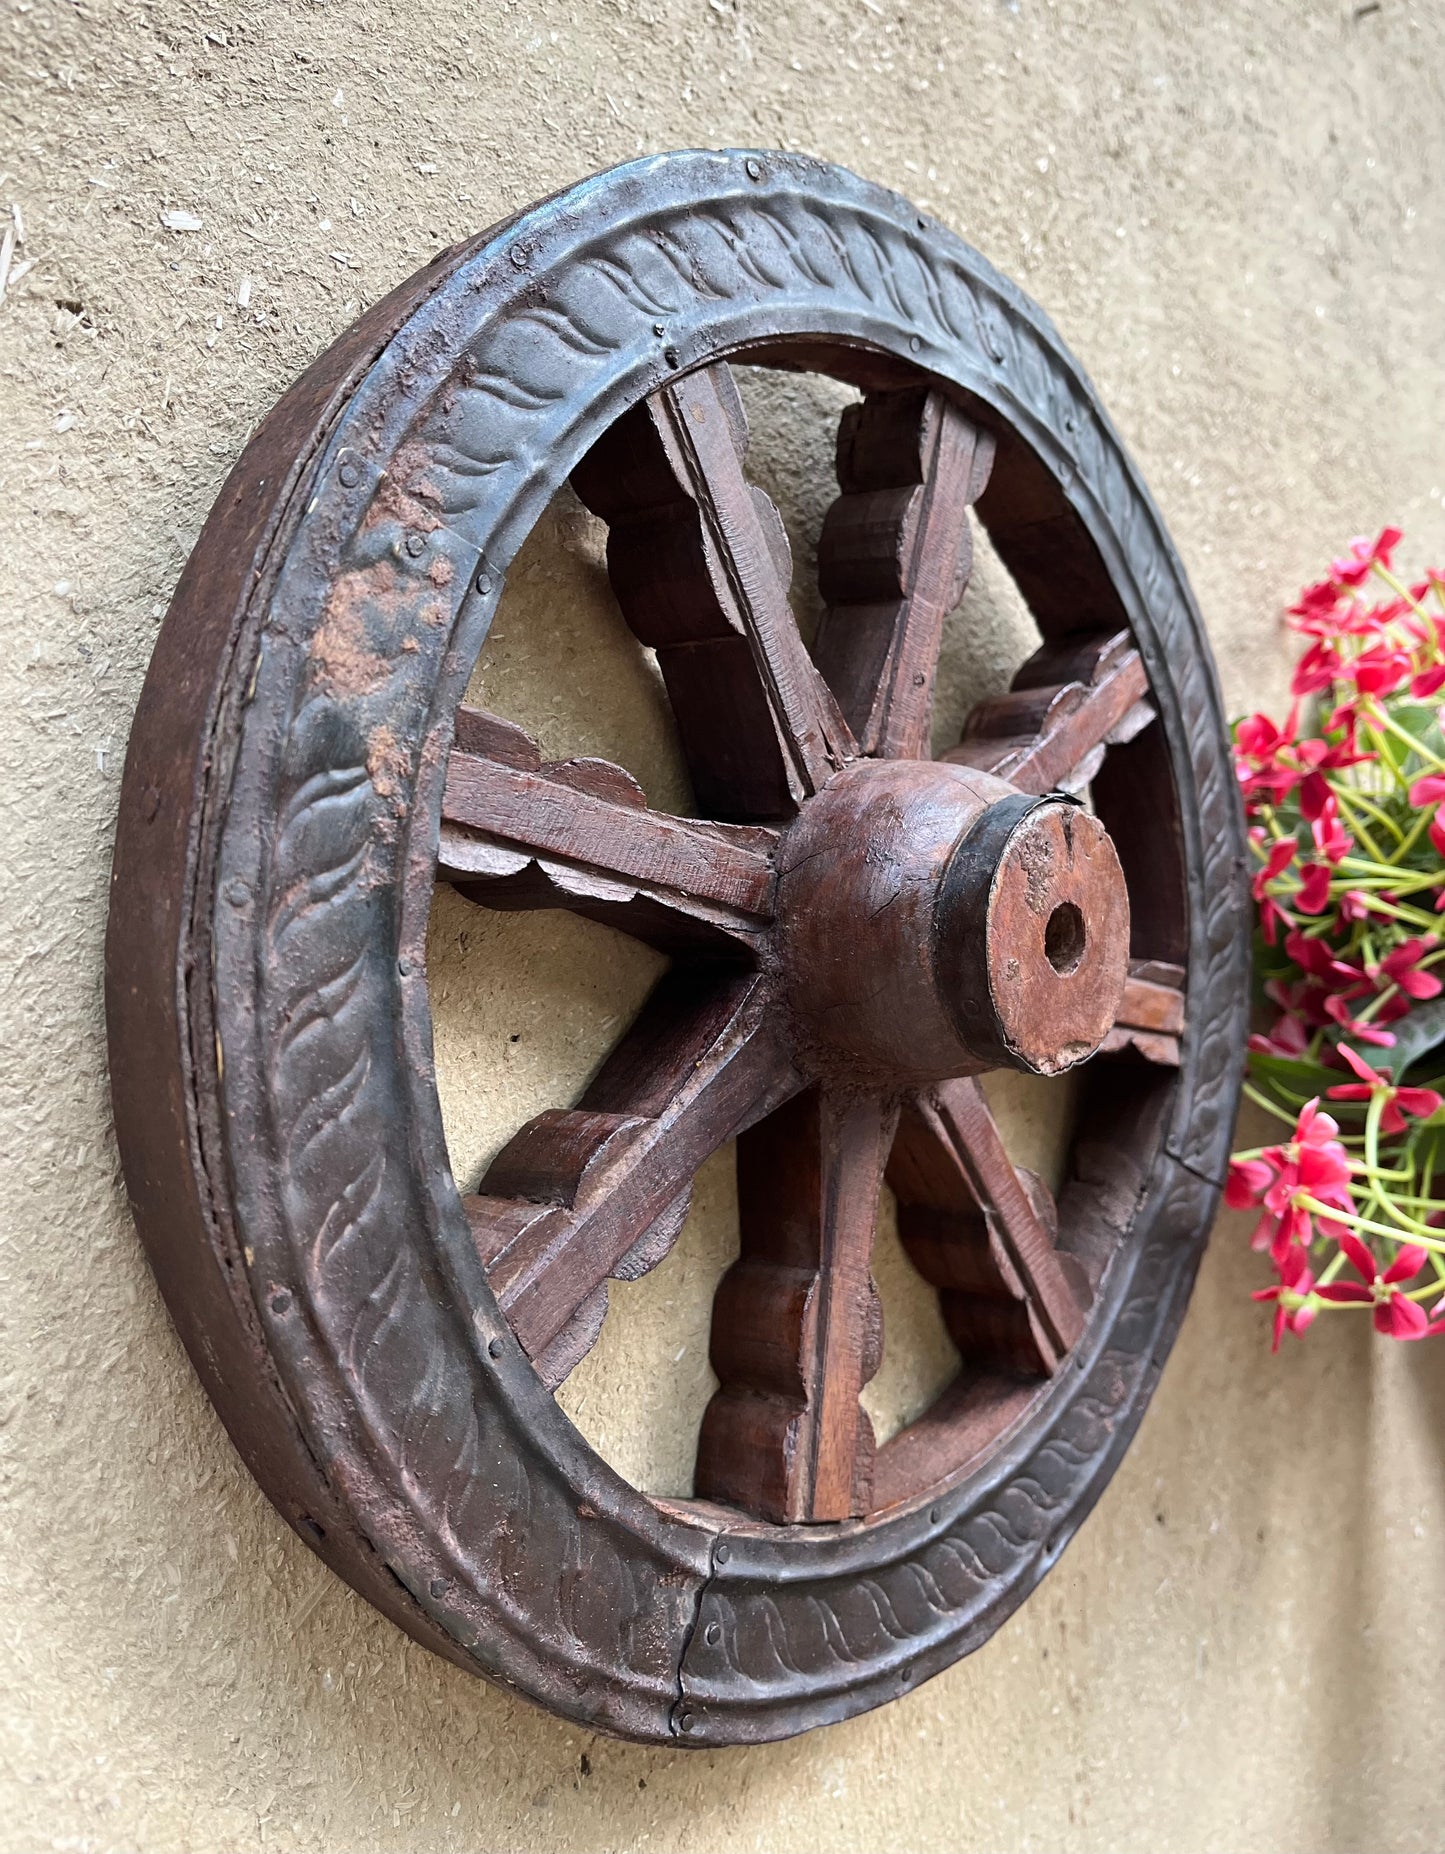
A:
{"x": 1380, "y": 670}
{"x": 1354, "y": 568}
{"x": 1292, "y": 1307}
{"x": 1427, "y": 791}
{"x": 1320, "y": 666}
{"x": 1401, "y": 967}
{"x": 1367, "y": 1032}
{"x": 1289, "y": 1037}
{"x": 1262, "y": 756}
{"x": 1313, "y": 896}
{"x": 1394, "y": 1315}
{"x": 1249, "y": 1179}
{"x": 1311, "y": 955}
{"x": 1346, "y": 716}
{"x": 1314, "y": 1166}
{"x": 1332, "y": 840}
{"x": 1318, "y": 610}
{"x": 1331, "y": 758}
{"x": 1356, "y": 904}
{"x": 1280, "y": 856}
{"x": 1258, "y": 736}
{"x": 1271, "y": 761}
{"x": 1428, "y": 682}
{"x": 1314, "y": 795}
{"x": 1421, "y": 1102}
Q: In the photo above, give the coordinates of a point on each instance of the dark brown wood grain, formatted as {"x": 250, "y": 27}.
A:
{"x": 894, "y": 558}
{"x": 1052, "y": 733}
{"x": 560, "y": 816}
{"x": 518, "y": 832}
{"x": 797, "y": 1326}
{"x": 1151, "y": 1015}
{"x": 984, "y": 1234}
{"x": 576, "y": 1196}
{"x": 701, "y": 567}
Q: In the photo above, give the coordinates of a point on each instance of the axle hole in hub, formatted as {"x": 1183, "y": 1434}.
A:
{"x": 1064, "y": 938}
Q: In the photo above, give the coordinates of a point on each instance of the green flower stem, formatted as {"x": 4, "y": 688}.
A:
{"x": 1384, "y": 574}
{"x": 1372, "y": 1129}
{"x": 1373, "y": 1171}
{"x": 1409, "y": 1230}
{"x": 1380, "y": 718}
{"x": 1417, "y": 830}
{"x": 1375, "y": 1005}
{"x": 1369, "y": 875}
{"x": 1382, "y": 748}
{"x": 1332, "y": 1268}
{"x": 1351, "y": 799}
{"x": 1270, "y": 1107}
{"x": 1412, "y": 916}
{"x": 1386, "y": 1176}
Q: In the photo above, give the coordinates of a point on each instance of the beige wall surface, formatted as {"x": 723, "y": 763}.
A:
{"x": 1236, "y": 215}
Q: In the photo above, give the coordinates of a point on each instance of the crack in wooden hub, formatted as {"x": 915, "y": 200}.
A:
{"x": 934, "y": 921}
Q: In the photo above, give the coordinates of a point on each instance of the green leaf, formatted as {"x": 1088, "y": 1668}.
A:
{"x": 1415, "y": 1036}
{"x": 1301, "y": 1078}
{"x": 1417, "y": 718}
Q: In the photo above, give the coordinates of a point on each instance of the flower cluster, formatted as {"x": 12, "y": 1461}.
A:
{"x": 1346, "y": 807}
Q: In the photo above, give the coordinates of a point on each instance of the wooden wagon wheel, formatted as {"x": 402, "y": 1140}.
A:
{"x": 857, "y": 933}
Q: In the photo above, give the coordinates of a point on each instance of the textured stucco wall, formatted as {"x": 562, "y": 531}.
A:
{"x": 1235, "y": 214}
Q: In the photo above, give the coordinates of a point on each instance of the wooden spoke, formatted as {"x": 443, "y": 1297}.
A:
{"x": 983, "y": 1233}
{"x": 1151, "y": 1018}
{"x": 701, "y": 568}
{"x": 1070, "y": 701}
{"x": 797, "y": 1327}
{"x": 601, "y": 1189}
{"x": 518, "y": 833}
{"x": 894, "y": 559}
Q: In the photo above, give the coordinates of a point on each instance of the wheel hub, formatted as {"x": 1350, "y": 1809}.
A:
{"x": 934, "y": 921}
